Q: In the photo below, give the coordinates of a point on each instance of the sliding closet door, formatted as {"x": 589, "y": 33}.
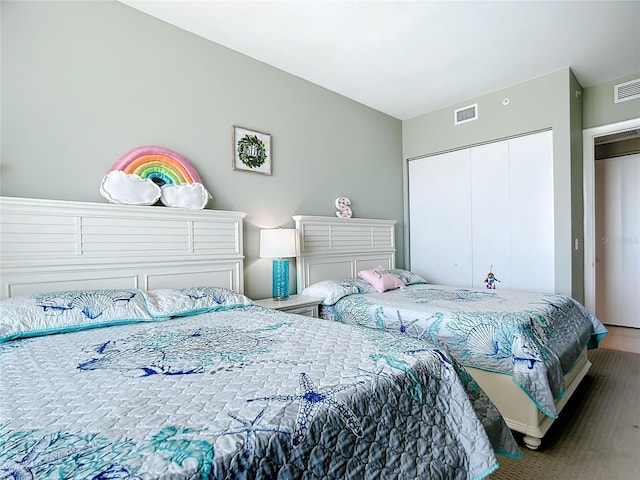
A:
{"x": 531, "y": 220}
{"x": 490, "y": 213}
{"x": 485, "y": 208}
{"x": 440, "y": 218}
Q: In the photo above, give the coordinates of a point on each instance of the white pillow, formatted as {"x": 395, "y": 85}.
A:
{"x": 129, "y": 189}
{"x": 187, "y": 195}
{"x": 330, "y": 291}
{"x": 56, "y": 312}
{"x": 408, "y": 277}
{"x": 170, "y": 302}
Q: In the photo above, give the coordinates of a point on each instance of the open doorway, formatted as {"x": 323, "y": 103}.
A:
{"x": 611, "y": 225}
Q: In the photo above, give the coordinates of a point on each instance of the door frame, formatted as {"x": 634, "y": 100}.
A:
{"x": 588, "y": 154}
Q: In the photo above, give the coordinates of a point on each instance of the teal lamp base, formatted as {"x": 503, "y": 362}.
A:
{"x": 280, "y": 289}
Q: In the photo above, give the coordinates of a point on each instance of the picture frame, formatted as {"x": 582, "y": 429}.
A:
{"x": 251, "y": 150}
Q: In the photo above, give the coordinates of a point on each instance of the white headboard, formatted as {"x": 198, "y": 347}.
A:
{"x": 332, "y": 247}
{"x": 48, "y": 245}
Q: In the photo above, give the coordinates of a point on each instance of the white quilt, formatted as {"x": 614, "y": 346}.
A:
{"x": 244, "y": 392}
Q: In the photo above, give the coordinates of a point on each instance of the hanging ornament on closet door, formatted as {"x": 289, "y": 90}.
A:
{"x": 342, "y": 204}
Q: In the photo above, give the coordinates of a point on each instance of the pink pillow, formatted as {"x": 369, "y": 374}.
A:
{"x": 381, "y": 279}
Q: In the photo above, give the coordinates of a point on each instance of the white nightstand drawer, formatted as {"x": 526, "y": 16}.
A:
{"x": 298, "y": 304}
{"x": 311, "y": 311}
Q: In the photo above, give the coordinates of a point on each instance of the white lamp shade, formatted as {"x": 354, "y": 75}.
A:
{"x": 278, "y": 243}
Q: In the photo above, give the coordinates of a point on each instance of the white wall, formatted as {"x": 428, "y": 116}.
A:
{"x": 85, "y": 82}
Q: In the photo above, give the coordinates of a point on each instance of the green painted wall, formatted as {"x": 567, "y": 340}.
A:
{"x": 575, "y": 94}
{"x": 600, "y": 109}
{"x": 85, "y": 82}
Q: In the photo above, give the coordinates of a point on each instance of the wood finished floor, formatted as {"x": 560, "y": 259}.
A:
{"x": 625, "y": 339}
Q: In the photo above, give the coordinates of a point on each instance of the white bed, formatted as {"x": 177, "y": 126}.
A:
{"x": 196, "y": 391}
{"x": 49, "y": 244}
{"x": 335, "y": 248}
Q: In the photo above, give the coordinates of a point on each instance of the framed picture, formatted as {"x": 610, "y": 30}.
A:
{"x": 251, "y": 150}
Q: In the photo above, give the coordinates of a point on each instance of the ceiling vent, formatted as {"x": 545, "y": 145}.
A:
{"x": 465, "y": 114}
{"x": 626, "y": 91}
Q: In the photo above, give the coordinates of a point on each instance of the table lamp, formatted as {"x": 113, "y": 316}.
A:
{"x": 279, "y": 243}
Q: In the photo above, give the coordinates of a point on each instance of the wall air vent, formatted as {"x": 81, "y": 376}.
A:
{"x": 626, "y": 91}
{"x": 465, "y": 114}
{"x": 616, "y": 137}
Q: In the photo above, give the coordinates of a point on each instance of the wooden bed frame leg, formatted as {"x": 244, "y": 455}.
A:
{"x": 532, "y": 442}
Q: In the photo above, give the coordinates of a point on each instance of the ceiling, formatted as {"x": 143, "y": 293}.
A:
{"x": 406, "y": 58}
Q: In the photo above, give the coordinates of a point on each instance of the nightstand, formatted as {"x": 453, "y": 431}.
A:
{"x": 294, "y": 304}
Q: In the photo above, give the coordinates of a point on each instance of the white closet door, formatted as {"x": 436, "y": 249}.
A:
{"x": 490, "y": 213}
{"x": 532, "y": 214}
{"x": 485, "y": 207}
{"x": 440, "y": 218}
{"x": 618, "y": 240}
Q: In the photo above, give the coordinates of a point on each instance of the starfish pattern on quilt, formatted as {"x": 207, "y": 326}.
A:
{"x": 413, "y": 327}
{"x": 35, "y": 457}
{"x": 376, "y": 376}
{"x": 311, "y": 398}
{"x": 417, "y": 328}
{"x": 251, "y": 428}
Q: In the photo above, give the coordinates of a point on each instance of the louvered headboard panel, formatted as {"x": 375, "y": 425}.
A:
{"x": 332, "y": 247}
{"x": 52, "y": 244}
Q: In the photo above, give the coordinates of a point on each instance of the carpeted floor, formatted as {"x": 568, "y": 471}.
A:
{"x": 597, "y": 436}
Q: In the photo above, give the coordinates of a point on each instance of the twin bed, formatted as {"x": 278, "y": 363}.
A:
{"x": 128, "y": 350}
{"x": 526, "y": 350}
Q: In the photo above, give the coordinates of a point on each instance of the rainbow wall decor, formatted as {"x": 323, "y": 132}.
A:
{"x": 147, "y": 174}
{"x": 159, "y": 164}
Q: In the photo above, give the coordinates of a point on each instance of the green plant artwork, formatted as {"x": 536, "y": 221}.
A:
{"x": 251, "y": 151}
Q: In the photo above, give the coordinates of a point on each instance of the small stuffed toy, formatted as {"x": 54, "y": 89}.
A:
{"x": 491, "y": 280}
